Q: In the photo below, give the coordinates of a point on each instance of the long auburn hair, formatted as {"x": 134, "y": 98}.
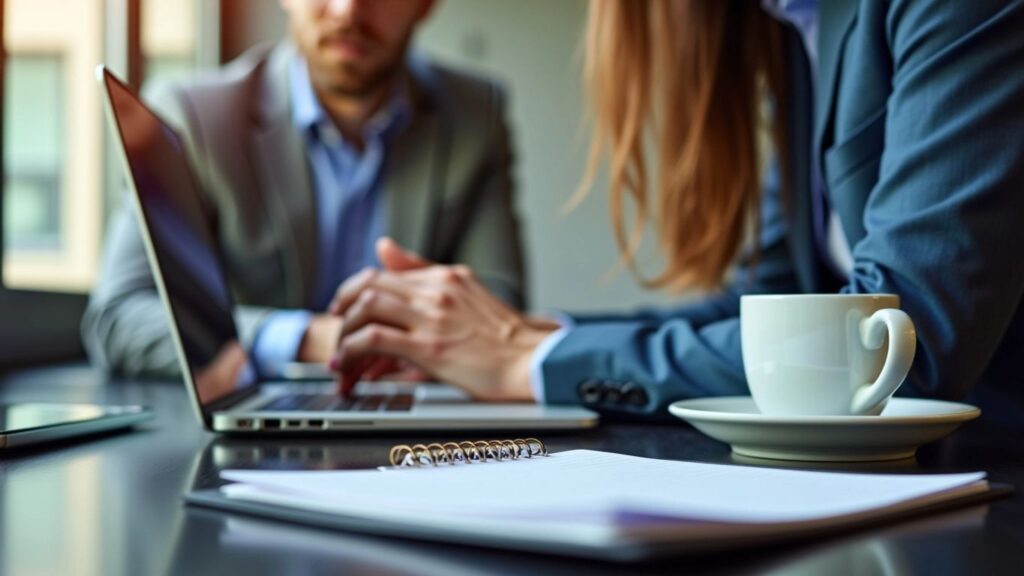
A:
{"x": 690, "y": 78}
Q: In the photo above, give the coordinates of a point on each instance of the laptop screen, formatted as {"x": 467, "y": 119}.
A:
{"x": 179, "y": 225}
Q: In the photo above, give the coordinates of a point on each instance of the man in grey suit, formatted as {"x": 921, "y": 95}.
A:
{"x": 306, "y": 153}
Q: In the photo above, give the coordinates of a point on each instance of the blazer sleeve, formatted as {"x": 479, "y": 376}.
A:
{"x": 652, "y": 359}
{"x": 125, "y": 328}
{"x": 944, "y": 222}
{"x": 489, "y": 241}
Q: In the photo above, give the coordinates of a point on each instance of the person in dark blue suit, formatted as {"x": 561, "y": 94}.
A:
{"x": 896, "y": 166}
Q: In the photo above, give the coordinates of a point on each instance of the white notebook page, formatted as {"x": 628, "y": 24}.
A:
{"x": 584, "y": 483}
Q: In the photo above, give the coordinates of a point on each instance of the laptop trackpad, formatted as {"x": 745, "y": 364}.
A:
{"x": 433, "y": 393}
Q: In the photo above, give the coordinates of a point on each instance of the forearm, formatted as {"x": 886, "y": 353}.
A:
{"x": 131, "y": 338}
{"x": 639, "y": 368}
{"x": 284, "y": 336}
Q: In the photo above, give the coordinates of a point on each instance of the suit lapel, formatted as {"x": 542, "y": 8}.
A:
{"x": 415, "y": 170}
{"x": 799, "y": 99}
{"x": 408, "y": 185}
{"x": 836, "y": 19}
{"x": 280, "y": 162}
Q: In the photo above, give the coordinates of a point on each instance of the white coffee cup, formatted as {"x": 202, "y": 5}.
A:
{"x": 825, "y": 354}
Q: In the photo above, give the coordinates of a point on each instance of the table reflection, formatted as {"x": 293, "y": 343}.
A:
{"x": 75, "y": 507}
{"x": 906, "y": 465}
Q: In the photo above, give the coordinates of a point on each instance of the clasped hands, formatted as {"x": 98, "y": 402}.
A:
{"x": 430, "y": 321}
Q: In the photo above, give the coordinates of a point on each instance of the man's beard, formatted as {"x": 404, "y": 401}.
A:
{"x": 348, "y": 81}
{"x": 355, "y": 81}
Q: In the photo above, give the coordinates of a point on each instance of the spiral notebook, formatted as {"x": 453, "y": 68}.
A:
{"x": 513, "y": 494}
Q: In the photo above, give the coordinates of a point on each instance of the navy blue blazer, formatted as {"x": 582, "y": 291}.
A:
{"x": 918, "y": 129}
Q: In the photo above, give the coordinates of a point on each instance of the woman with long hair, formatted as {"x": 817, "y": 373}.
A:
{"x": 872, "y": 146}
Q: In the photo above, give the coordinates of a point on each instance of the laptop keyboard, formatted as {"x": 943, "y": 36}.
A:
{"x": 335, "y": 403}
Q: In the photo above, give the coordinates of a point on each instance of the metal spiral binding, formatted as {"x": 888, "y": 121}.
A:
{"x": 467, "y": 452}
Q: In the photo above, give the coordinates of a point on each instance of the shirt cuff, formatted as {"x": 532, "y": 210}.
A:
{"x": 542, "y": 352}
{"x": 278, "y": 339}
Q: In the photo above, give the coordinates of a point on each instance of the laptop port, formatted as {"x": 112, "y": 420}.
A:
{"x": 293, "y": 423}
{"x": 271, "y": 423}
{"x": 316, "y": 423}
{"x": 243, "y": 423}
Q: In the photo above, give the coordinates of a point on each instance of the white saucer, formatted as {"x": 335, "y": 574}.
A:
{"x": 905, "y": 424}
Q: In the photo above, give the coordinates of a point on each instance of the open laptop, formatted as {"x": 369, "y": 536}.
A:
{"x": 226, "y": 390}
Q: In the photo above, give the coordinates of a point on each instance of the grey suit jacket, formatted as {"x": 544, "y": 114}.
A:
{"x": 918, "y": 130}
{"x": 447, "y": 186}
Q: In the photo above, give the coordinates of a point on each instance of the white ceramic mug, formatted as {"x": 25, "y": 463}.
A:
{"x": 824, "y": 354}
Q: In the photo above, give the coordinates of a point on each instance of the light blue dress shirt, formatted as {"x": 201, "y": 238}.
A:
{"x": 350, "y": 211}
{"x": 803, "y": 15}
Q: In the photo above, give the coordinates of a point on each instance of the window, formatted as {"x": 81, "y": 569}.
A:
{"x": 34, "y": 168}
{"x": 52, "y": 140}
{"x": 62, "y": 176}
{"x": 55, "y": 146}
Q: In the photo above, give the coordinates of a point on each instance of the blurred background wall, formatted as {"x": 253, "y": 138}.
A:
{"x": 532, "y": 46}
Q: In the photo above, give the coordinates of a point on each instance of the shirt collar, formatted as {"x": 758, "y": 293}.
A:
{"x": 803, "y": 15}
{"x": 309, "y": 115}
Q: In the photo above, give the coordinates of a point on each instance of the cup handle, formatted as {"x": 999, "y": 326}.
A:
{"x": 902, "y": 346}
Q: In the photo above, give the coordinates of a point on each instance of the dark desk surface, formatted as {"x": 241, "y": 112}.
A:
{"x": 112, "y": 505}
